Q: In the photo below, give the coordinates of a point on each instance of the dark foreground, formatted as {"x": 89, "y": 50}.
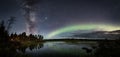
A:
{"x": 74, "y": 48}
{"x": 61, "y": 48}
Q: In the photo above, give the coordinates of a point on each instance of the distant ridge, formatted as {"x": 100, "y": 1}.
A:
{"x": 100, "y": 34}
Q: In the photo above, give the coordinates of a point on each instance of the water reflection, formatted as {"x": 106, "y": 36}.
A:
{"x": 62, "y": 49}
{"x": 53, "y": 49}
{"x": 23, "y": 49}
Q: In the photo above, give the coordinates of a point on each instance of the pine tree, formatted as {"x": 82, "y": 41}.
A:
{"x": 3, "y": 33}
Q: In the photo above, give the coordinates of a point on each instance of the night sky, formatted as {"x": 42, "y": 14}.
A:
{"x": 54, "y": 14}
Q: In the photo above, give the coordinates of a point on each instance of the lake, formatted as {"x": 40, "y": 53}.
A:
{"x": 60, "y": 49}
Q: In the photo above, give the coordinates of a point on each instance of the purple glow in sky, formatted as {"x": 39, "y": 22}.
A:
{"x": 54, "y": 14}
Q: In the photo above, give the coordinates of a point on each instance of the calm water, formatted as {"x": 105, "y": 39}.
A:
{"x": 60, "y": 49}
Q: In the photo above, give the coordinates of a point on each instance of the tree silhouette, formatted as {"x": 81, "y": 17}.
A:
{"x": 40, "y": 37}
{"x": 10, "y": 22}
{"x": 3, "y": 33}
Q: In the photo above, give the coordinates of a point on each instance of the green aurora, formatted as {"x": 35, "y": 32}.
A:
{"x": 71, "y": 28}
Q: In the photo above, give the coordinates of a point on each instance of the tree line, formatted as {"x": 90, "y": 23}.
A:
{"x": 5, "y": 36}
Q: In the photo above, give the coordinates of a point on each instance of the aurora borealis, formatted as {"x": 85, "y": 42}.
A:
{"x": 95, "y": 27}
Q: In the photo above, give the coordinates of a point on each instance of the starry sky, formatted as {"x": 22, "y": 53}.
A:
{"x": 54, "y": 14}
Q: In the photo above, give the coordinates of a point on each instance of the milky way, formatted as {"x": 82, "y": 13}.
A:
{"x": 29, "y": 7}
